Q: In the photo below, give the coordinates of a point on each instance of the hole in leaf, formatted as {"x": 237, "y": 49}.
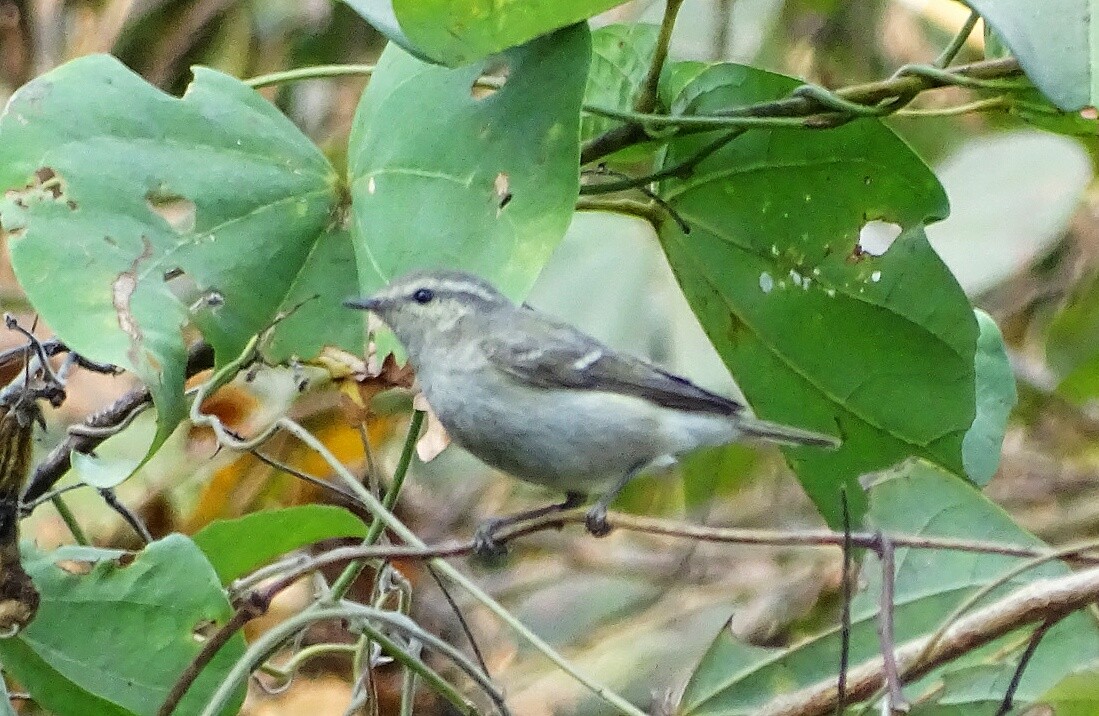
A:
{"x": 122, "y": 290}
{"x": 491, "y": 80}
{"x": 73, "y": 566}
{"x": 204, "y": 630}
{"x": 500, "y": 187}
{"x": 209, "y": 299}
{"x": 182, "y": 286}
{"x": 45, "y": 184}
{"x": 876, "y": 237}
{"x": 1089, "y": 113}
{"x": 48, "y": 181}
{"x": 177, "y": 211}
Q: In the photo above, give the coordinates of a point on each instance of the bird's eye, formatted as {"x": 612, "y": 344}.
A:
{"x": 423, "y": 295}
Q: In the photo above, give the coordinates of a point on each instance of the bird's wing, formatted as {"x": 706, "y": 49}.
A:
{"x": 555, "y": 355}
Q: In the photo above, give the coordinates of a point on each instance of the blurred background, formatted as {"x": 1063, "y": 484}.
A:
{"x": 1022, "y": 239}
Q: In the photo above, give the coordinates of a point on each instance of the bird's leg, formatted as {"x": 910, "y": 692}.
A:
{"x": 596, "y": 519}
{"x": 484, "y": 540}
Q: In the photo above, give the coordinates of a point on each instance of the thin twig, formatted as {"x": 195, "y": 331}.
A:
{"x": 295, "y": 569}
{"x": 897, "y": 703}
{"x": 54, "y": 466}
{"x": 255, "y": 605}
{"x": 1016, "y": 678}
{"x": 28, "y": 507}
{"x": 466, "y": 630}
{"x": 649, "y": 194}
{"x": 870, "y": 95}
{"x": 304, "y": 476}
{"x": 646, "y": 98}
{"x": 54, "y": 347}
{"x": 845, "y": 613}
{"x": 682, "y": 170}
{"x": 374, "y": 532}
{"x": 70, "y": 520}
{"x": 958, "y": 41}
{"x": 364, "y": 616}
{"x": 780, "y": 538}
{"x": 647, "y": 211}
{"x": 127, "y": 514}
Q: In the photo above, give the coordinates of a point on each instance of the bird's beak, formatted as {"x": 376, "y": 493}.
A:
{"x": 370, "y": 303}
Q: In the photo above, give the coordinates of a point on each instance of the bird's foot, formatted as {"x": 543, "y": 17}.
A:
{"x": 596, "y": 521}
{"x": 485, "y": 544}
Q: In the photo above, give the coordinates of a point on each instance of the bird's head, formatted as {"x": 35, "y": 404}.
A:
{"x": 426, "y": 309}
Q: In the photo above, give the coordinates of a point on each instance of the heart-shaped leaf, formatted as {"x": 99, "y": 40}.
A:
{"x": 131, "y": 213}
{"x": 112, "y": 636}
{"x": 818, "y": 330}
{"x": 486, "y": 182}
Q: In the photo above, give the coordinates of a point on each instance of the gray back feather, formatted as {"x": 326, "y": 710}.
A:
{"x": 562, "y": 357}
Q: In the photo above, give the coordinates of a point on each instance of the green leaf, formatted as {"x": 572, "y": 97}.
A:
{"x": 1032, "y": 107}
{"x": 458, "y": 32}
{"x": 996, "y": 396}
{"x": 313, "y": 313}
{"x": 1054, "y": 45}
{"x": 620, "y": 58}
{"x": 97, "y": 472}
{"x": 921, "y": 501}
{"x": 236, "y": 547}
{"x": 115, "y": 639}
{"x": 1075, "y": 695}
{"x": 716, "y": 471}
{"x": 817, "y": 332}
{"x": 131, "y": 213}
{"x": 440, "y": 177}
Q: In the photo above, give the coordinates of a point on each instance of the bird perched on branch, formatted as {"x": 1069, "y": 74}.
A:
{"x": 538, "y": 399}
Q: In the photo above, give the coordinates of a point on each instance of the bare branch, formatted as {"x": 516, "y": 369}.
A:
{"x": 54, "y": 466}
{"x": 1038, "y": 602}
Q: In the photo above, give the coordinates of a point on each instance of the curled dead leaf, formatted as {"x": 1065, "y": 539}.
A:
{"x": 435, "y": 439}
{"x": 340, "y": 364}
{"x": 387, "y": 375}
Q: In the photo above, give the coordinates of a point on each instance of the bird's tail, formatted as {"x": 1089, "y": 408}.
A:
{"x": 755, "y": 429}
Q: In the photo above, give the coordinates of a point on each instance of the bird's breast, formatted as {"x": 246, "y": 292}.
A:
{"x": 565, "y": 439}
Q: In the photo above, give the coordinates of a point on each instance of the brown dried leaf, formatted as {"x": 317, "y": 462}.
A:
{"x": 388, "y": 375}
{"x": 435, "y": 439}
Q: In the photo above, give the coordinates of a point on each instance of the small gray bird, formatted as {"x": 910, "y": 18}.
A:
{"x": 540, "y": 400}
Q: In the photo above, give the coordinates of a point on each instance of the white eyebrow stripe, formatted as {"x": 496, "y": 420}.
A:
{"x": 463, "y": 287}
{"x": 587, "y": 360}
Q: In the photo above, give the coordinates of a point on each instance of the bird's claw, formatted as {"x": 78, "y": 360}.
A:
{"x": 484, "y": 540}
{"x": 596, "y": 521}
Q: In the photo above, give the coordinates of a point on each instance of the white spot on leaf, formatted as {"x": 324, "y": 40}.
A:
{"x": 766, "y": 283}
{"x": 800, "y": 280}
